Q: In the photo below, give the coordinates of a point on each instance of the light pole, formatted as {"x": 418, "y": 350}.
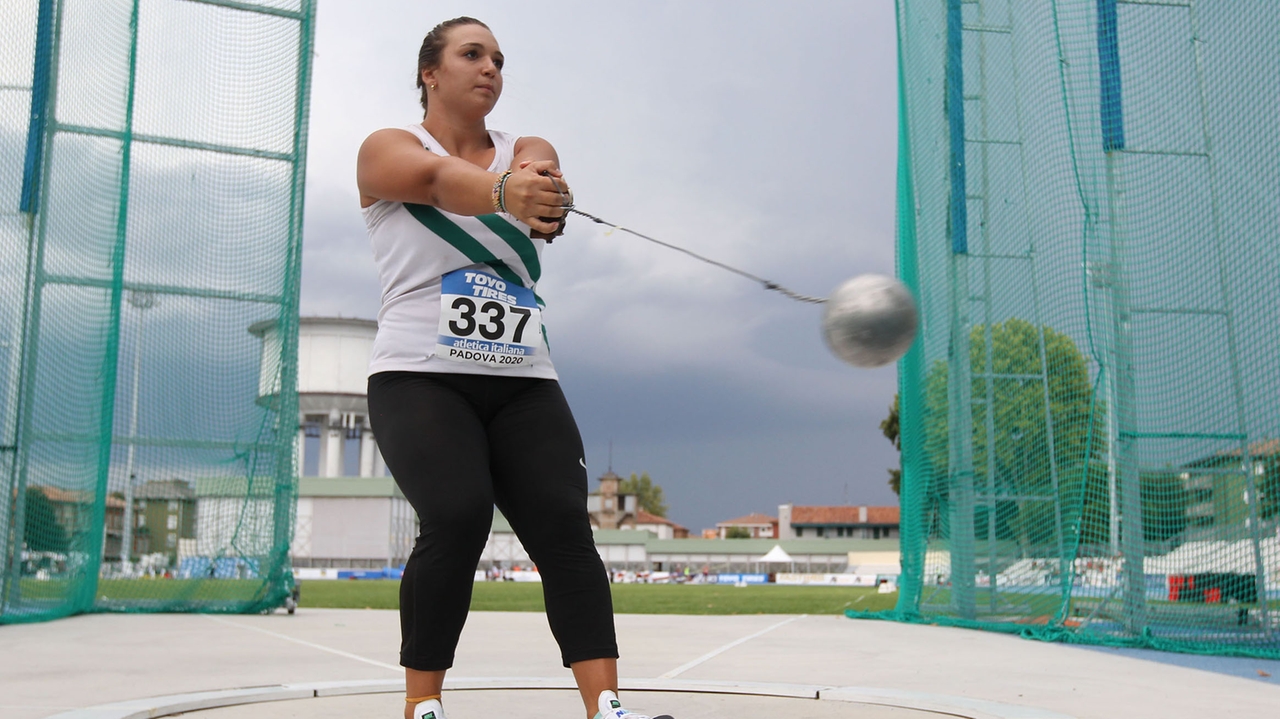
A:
{"x": 141, "y": 301}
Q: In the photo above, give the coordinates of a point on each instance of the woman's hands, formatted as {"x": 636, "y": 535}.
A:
{"x": 532, "y": 197}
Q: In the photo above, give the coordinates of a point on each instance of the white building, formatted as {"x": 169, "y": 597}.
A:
{"x": 352, "y": 522}
{"x": 334, "y": 436}
{"x": 349, "y": 512}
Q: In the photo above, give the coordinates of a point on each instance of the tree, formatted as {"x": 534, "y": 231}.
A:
{"x": 1269, "y": 487}
{"x": 40, "y": 530}
{"x": 1012, "y": 420}
{"x": 737, "y": 533}
{"x": 648, "y": 494}
{"x": 889, "y": 426}
{"x": 1164, "y": 505}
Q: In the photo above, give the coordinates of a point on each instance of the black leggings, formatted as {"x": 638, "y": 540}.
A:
{"x": 459, "y": 444}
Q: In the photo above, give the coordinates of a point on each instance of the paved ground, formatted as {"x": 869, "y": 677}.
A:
{"x": 566, "y": 704}
{"x": 84, "y": 661}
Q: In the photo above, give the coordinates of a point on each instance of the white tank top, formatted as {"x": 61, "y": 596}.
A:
{"x": 414, "y": 246}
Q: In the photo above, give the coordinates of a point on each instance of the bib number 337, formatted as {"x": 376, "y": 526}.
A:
{"x": 488, "y": 321}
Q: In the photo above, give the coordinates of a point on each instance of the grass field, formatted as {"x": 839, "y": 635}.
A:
{"x": 495, "y": 596}
{"x": 151, "y": 589}
{"x": 627, "y": 598}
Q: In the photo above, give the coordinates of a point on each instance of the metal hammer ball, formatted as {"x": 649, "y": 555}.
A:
{"x": 870, "y": 320}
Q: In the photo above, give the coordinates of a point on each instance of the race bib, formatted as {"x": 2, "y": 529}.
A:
{"x": 488, "y": 321}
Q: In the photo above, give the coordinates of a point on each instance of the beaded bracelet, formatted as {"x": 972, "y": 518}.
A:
{"x": 500, "y": 193}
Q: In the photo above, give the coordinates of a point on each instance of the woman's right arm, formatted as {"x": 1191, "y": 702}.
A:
{"x": 393, "y": 166}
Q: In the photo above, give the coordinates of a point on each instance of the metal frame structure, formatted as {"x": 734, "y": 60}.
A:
{"x": 1128, "y": 432}
{"x": 45, "y": 129}
{"x": 965, "y": 497}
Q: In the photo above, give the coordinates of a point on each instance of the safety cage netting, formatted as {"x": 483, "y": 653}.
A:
{"x": 1090, "y": 418}
{"x": 151, "y": 174}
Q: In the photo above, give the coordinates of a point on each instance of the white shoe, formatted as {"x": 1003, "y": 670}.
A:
{"x": 430, "y": 709}
{"x": 611, "y": 708}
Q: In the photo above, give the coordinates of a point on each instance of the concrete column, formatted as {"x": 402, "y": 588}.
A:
{"x": 332, "y": 457}
{"x": 784, "y": 522}
{"x": 379, "y": 466}
{"x": 300, "y": 450}
{"x": 322, "y": 453}
{"x": 368, "y": 448}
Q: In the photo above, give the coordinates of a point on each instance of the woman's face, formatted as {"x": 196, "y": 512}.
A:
{"x": 469, "y": 77}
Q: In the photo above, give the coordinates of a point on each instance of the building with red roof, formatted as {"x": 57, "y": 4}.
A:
{"x": 843, "y": 521}
{"x": 760, "y": 526}
{"x": 661, "y": 527}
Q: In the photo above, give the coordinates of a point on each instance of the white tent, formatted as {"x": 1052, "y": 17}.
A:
{"x": 777, "y": 554}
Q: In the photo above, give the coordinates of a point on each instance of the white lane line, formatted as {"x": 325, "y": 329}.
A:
{"x": 305, "y": 643}
{"x": 715, "y": 653}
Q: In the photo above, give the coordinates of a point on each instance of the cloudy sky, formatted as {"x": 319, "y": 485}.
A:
{"x": 758, "y": 133}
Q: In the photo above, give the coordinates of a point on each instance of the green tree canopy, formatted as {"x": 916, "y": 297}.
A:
{"x": 1023, "y": 437}
{"x": 40, "y": 530}
{"x": 1269, "y": 488}
{"x": 650, "y": 495}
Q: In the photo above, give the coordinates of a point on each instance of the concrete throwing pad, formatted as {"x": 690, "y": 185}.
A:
{"x": 528, "y": 696}
{"x": 138, "y": 666}
{"x": 565, "y": 705}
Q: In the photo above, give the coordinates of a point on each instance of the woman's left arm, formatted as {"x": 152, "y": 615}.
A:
{"x": 532, "y": 149}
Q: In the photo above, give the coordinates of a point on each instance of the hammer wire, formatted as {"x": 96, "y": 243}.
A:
{"x": 767, "y": 284}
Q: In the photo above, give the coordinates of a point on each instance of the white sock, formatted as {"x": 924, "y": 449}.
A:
{"x": 430, "y": 709}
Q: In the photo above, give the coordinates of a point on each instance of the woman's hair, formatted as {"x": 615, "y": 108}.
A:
{"x": 433, "y": 45}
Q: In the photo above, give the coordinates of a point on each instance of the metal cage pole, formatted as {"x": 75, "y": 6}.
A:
{"x": 960, "y": 402}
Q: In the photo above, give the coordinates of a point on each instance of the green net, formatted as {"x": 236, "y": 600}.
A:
{"x": 151, "y": 174}
{"x": 1087, "y": 211}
